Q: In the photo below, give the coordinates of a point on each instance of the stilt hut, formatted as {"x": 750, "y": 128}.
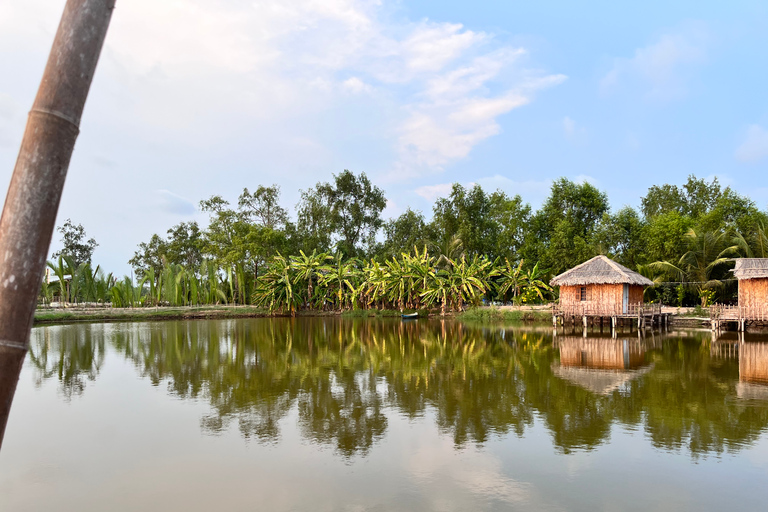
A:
{"x": 600, "y": 287}
{"x": 752, "y": 274}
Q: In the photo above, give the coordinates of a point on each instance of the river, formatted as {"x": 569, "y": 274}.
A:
{"x": 327, "y": 414}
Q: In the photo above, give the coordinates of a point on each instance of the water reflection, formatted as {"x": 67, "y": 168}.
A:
{"x": 345, "y": 379}
{"x": 752, "y": 354}
{"x": 600, "y": 364}
{"x": 73, "y": 356}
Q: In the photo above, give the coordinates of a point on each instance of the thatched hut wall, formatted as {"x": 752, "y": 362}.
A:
{"x": 605, "y": 299}
{"x": 753, "y": 362}
{"x": 753, "y": 293}
{"x": 602, "y": 353}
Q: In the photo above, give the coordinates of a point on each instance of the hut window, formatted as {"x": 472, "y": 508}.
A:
{"x": 583, "y": 293}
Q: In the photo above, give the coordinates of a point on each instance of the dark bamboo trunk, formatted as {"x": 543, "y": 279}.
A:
{"x": 33, "y": 196}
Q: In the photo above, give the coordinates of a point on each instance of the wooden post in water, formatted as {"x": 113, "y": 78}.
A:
{"x": 33, "y": 196}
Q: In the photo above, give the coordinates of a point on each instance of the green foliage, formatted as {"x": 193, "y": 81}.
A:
{"x": 494, "y": 314}
{"x": 476, "y": 246}
{"x": 75, "y": 246}
{"x": 345, "y": 214}
{"x": 561, "y": 232}
{"x": 403, "y": 233}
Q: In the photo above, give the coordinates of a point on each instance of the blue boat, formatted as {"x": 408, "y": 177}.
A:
{"x": 410, "y": 316}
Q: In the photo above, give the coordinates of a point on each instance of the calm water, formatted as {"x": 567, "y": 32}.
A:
{"x": 329, "y": 414}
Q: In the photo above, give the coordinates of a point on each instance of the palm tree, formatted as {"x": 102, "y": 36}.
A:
{"x": 754, "y": 245}
{"x": 707, "y": 253}
{"x": 61, "y": 269}
{"x": 450, "y": 249}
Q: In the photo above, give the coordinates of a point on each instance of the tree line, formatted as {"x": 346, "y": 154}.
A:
{"x": 337, "y": 251}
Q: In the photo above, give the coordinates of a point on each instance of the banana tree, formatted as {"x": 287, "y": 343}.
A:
{"x": 309, "y": 269}
{"x": 275, "y": 289}
{"x": 510, "y": 280}
{"x": 438, "y": 289}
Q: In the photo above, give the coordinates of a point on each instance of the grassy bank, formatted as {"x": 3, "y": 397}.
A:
{"x": 494, "y": 314}
{"x": 371, "y": 313}
{"x": 74, "y": 315}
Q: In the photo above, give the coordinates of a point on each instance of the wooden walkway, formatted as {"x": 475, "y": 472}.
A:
{"x": 640, "y": 315}
{"x": 720, "y": 315}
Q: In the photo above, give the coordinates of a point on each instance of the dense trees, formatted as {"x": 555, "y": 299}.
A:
{"x": 345, "y": 215}
{"x": 682, "y": 235}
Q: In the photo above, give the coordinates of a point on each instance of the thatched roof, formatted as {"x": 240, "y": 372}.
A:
{"x": 599, "y": 270}
{"x": 751, "y": 268}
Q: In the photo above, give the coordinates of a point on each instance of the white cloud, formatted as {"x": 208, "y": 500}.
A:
{"x": 585, "y": 178}
{"x": 432, "y": 192}
{"x": 662, "y": 68}
{"x": 755, "y": 145}
{"x": 392, "y": 210}
{"x": 434, "y": 45}
{"x": 533, "y": 191}
{"x": 356, "y": 86}
{"x": 263, "y": 92}
{"x": 169, "y": 202}
{"x": 197, "y": 60}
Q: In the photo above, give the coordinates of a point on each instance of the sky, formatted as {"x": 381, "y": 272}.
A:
{"x": 200, "y": 97}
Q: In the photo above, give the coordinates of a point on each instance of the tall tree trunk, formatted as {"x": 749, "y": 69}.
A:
{"x": 32, "y": 201}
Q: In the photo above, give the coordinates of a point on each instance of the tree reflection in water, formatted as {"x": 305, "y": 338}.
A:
{"x": 345, "y": 378}
{"x": 71, "y": 355}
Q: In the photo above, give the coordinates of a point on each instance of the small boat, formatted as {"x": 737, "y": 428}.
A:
{"x": 409, "y": 316}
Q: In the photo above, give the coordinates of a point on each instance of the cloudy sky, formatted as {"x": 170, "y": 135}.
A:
{"x": 200, "y": 97}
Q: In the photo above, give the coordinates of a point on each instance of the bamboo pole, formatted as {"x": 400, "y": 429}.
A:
{"x": 32, "y": 202}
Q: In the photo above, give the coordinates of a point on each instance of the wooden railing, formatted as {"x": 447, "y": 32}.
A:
{"x": 725, "y": 312}
{"x": 592, "y": 309}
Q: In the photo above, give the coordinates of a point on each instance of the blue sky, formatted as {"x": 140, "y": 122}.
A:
{"x": 200, "y": 97}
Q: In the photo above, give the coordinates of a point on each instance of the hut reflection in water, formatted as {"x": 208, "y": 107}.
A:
{"x": 752, "y": 354}
{"x": 601, "y": 365}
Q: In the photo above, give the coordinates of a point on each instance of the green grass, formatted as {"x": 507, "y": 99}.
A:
{"x": 698, "y": 311}
{"x": 371, "y": 313}
{"x": 493, "y": 314}
{"x": 139, "y": 314}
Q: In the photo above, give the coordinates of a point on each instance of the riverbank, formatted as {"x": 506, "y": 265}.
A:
{"x": 76, "y": 315}
{"x": 528, "y": 314}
